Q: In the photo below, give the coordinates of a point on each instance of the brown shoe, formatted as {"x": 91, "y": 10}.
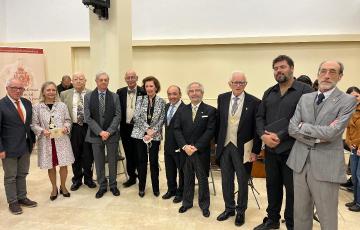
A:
{"x": 15, "y": 208}
{"x": 27, "y": 203}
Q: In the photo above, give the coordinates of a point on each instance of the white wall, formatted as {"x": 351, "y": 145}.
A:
{"x": 2, "y": 21}
{"x": 46, "y": 20}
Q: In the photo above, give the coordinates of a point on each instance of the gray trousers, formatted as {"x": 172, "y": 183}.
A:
{"x": 99, "y": 159}
{"x": 232, "y": 162}
{"x": 15, "y": 172}
{"x": 309, "y": 192}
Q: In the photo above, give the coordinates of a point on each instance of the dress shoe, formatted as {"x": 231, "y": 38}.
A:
{"x": 26, "y": 202}
{"x": 268, "y": 224}
{"x": 355, "y": 208}
{"x": 239, "y": 219}
{"x": 129, "y": 183}
{"x": 168, "y": 195}
{"x": 350, "y": 204}
{"x": 183, "y": 209}
{"x": 52, "y": 198}
{"x": 90, "y": 184}
{"x": 206, "y": 212}
{"x": 177, "y": 199}
{"x": 156, "y": 193}
{"x": 141, "y": 193}
{"x": 225, "y": 215}
{"x": 65, "y": 194}
{"x": 115, "y": 191}
{"x": 75, "y": 186}
{"x": 15, "y": 208}
{"x": 100, "y": 193}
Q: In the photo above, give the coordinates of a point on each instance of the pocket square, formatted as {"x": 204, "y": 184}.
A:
{"x": 204, "y": 116}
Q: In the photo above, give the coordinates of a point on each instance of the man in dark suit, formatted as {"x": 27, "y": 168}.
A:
{"x": 16, "y": 143}
{"x": 74, "y": 100}
{"x": 102, "y": 114}
{"x": 236, "y": 134}
{"x": 65, "y": 84}
{"x": 128, "y": 96}
{"x": 174, "y": 160}
{"x": 194, "y": 130}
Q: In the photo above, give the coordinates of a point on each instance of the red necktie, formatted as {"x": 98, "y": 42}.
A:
{"x": 20, "y": 111}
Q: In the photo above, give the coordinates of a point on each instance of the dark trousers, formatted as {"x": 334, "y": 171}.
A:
{"x": 130, "y": 150}
{"x": 15, "y": 172}
{"x": 231, "y": 162}
{"x": 173, "y": 166}
{"x": 143, "y": 155}
{"x": 278, "y": 174}
{"x": 83, "y": 154}
{"x": 193, "y": 166}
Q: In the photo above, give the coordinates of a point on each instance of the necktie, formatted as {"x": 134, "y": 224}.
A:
{"x": 131, "y": 91}
{"x": 234, "y": 106}
{"x": 20, "y": 111}
{"x": 170, "y": 114}
{"x": 80, "y": 110}
{"x": 194, "y": 110}
{"x": 320, "y": 98}
{"x": 102, "y": 103}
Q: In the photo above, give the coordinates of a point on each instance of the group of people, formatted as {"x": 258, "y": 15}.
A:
{"x": 300, "y": 128}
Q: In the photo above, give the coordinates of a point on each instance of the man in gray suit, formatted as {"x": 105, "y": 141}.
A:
{"x": 102, "y": 114}
{"x": 317, "y": 157}
{"x": 74, "y": 100}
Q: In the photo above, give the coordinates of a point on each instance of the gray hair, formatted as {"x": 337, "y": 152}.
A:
{"x": 101, "y": 73}
{"x": 195, "y": 83}
{"x": 341, "y": 70}
{"x": 10, "y": 79}
{"x": 237, "y": 72}
{"x": 78, "y": 74}
{"x": 44, "y": 85}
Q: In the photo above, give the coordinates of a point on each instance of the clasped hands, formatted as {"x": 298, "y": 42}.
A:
{"x": 104, "y": 135}
{"x": 270, "y": 139}
{"x": 149, "y": 134}
{"x": 47, "y": 132}
{"x": 190, "y": 149}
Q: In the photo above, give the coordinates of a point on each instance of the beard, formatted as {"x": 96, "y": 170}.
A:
{"x": 281, "y": 78}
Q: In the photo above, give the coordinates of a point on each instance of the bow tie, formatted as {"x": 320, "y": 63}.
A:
{"x": 131, "y": 91}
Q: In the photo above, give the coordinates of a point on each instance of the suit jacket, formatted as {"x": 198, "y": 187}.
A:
{"x": 67, "y": 97}
{"x": 16, "y": 137}
{"x": 95, "y": 127}
{"x": 122, "y": 93}
{"x": 247, "y": 125}
{"x": 170, "y": 145}
{"x": 327, "y": 157}
{"x": 140, "y": 118}
{"x": 198, "y": 132}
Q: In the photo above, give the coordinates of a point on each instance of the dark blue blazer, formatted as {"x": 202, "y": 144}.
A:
{"x": 16, "y": 137}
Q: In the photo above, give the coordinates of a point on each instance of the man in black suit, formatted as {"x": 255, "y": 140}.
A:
{"x": 174, "y": 160}
{"x": 16, "y": 143}
{"x": 236, "y": 135}
{"x": 128, "y": 96}
{"x": 194, "y": 130}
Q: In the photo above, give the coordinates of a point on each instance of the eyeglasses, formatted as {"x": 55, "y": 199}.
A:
{"x": 130, "y": 78}
{"x": 16, "y": 88}
{"x": 240, "y": 83}
{"x": 331, "y": 72}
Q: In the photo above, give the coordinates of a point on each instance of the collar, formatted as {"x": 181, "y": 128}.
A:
{"x": 296, "y": 85}
{"x": 197, "y": 105}
{"x": 102, "y": 92}
{"x": 83, "y": 91}
{"x": 12, "y": 100}
{"x": 176, "y": 105}
{"x": 240, "y": 97}
{"x": 327, "y": 93}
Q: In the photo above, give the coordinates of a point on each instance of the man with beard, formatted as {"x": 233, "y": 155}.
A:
{"x": 272, "y": 121}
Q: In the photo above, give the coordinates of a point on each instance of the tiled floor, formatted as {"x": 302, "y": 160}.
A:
{"x": 129, "y": 211}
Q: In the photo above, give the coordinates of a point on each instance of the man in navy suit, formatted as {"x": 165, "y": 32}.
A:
{"x": 236, "y": 126}
{"x": 16, "y": 143}
{"x": 174, "y": 160}
{"x": 194, "y": 130}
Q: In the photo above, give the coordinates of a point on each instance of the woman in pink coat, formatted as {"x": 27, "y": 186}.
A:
{"x": 51, "y": 124}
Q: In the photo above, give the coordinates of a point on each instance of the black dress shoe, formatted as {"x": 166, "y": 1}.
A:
{"x": 177, "y": 199}
{"x": 115, "y": 191}
{"x": 90, "y": 184}
{"x": 157, "y": 193}
{"x": 52, "y": 198}
{"x": 268, "y": 224}
{"x": 355, "y": 208}
{"x": 100, "y": 193}
{"x": 206, "y": 212}
{"x": 239, "y": 219}
{"x": 350, "y": 204}
{"x": 141, "y": 193}
{"x": 225, "y": 215}
{"x": 75, "y": 186}
{"x": 183, "y": 209}
{"x": 26, "y": 202}
{"x": 63, "y": 193}
{"x": 168, "y": 195}
{"x": 129, "y": 183}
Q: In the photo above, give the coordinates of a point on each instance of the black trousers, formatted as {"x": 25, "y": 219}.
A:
{"x": 231, "y": 162}
{"x": 83, "y": 154}
{"x": 130, "y": 150}
{"x": 142, "y": 151}
{"x": 173, "y": 166}
{"x": 193, "y": 166}
{"x": 278, "y": 174}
